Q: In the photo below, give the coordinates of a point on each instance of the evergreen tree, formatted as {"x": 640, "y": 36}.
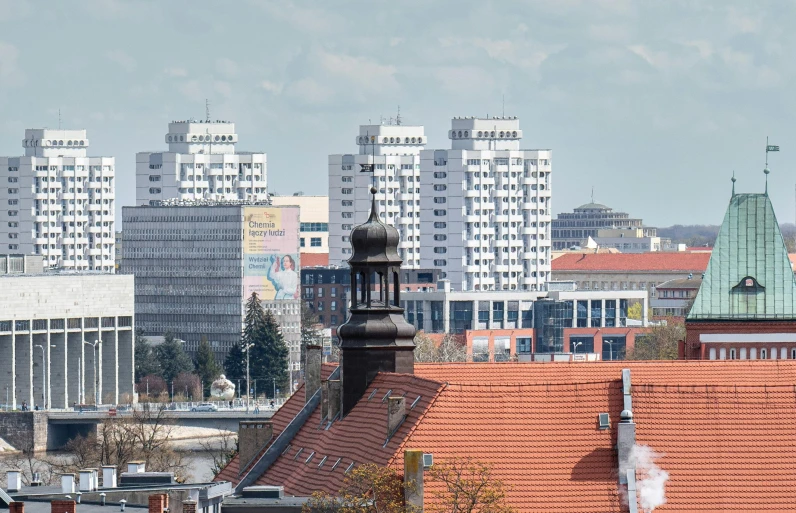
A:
{"x": 269, "y": 353}
{"x": 206, "y": 366}
{"x": 310, "y": 334}
{"x": 146, "y": 363}
{"x": 173, "y": 358}
{"x": 235, "y": 363}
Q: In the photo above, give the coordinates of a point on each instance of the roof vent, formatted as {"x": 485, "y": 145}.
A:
{"x": 604, "y": 421}
{"x": 349, "y": 468}
{"x": 428, "y": 460}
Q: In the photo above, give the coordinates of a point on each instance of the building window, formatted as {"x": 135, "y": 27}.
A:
{"x": 440, "y": 263}
{"x": 440, "y": 213}
{"x": 440, "y": 224}
{"x": 301, "y": 242}
{"x": 348, "y": 179}
{"x": 315, "y": 242}
{"x": 440, "y": 250}
{"x": 440, "y": 200}
{"x": 347, "y": 191}
{"x": 763, "y": 354}
{"x": 333, "y": 306}
{"x": 732, "y": 353}
{"x": 523, "y": 345}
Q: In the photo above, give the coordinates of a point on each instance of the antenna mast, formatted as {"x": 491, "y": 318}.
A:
{"x": 59, "y": 119}
{"x": 207, "y": 110}
{"x": 398, "y": 116}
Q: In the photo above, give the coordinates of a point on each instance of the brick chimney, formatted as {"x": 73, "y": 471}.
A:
{"x": 188, "y": 506}
{"x": 16, "y": 507}
{"x": 413, "y": 479}
{"x": 334, "y": 398}
{"x": 396, "y": 411}
{"x": 61, "y": 506}
{"x": 312, "y": 372}
{"x": 157, "y": 503}
{"x": 253, "y": 435}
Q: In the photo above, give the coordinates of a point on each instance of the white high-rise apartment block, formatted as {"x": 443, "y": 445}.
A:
{"x": 58, "y": 202}
{"x": 394, "y": 152}
{"x": 201, "y": 163}
{"x": 485, "y": 208}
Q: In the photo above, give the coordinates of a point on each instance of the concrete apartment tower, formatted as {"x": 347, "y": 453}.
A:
{"x": 58, "y": 202}
{"x": 394, "y": 151}
{"x": 200, "y": 164}
{"x": 485, "y": 208}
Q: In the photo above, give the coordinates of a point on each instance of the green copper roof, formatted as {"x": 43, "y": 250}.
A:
{"x": 749, "y": 275}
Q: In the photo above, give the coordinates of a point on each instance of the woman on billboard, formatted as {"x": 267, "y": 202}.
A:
{"x": 284, "y": 277}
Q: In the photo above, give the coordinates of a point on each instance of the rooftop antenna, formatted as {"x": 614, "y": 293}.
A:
{"x": 398, "y": 116}
{"x": 733, "y": 182}
{"x": 769, "y": 147}
{"x": 207, "y": 110}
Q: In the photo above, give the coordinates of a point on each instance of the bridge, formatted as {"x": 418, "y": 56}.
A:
{"x": 51, "y": 430}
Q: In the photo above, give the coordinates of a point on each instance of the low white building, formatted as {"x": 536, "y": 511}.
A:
{"x": 314, "y": 217}
{"x": 201, "y": 164}
{"x": 65, "y": 337}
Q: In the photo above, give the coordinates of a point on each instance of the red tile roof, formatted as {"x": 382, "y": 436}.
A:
{"x": 314, "y": 259}
{"x": 649, "y": 262}
{"x": 726, "y": 431}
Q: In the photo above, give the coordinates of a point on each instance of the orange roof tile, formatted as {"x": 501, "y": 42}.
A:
{"x": 657, "y": 261}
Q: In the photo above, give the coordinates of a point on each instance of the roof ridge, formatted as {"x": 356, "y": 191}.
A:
{"x": 399, "y": 449}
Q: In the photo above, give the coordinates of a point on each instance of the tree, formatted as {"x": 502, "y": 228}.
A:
{"x": 467, "y": 486}
{"x": 151, "y": 386}
{"x": 173, "y": 358}
{"x": 450, "y": 349}
{"x": 206, "y": 366}
{"x": 368, "y": 488}
{"x": 268, "y": 356}
{"x": 310, "y": 334}
{"x": 235, "y": 363}
{"x": 146, "y": 363}
{"x": 221, "y": 449}
{"x": 659, "y": 343}
{"x": 188, "y": 385}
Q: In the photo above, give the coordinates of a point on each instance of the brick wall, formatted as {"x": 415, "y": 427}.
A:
{"x": 24, "y": 430}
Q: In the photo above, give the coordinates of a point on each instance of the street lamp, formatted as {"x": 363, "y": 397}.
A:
{"x": 248, "y": 392}
{"x": 575, "y": 346}
{"x": 43, "y": 376}
{"x": 96, "y": 372}
{"x": 610, "y": 348}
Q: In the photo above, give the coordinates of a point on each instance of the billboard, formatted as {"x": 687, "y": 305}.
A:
{"x": 271, "y": 252}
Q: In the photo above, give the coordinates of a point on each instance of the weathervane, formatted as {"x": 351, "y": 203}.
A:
{"x": 733, "y": 182}
{"x": 769, "y": 147}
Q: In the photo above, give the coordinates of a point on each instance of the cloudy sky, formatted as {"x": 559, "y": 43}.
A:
{"x": 654, "y": 103}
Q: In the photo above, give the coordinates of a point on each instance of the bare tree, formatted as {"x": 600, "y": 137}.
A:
{"x": 450, "y": 349}
{"x": 221, "y": 448}
{"x": 369, "y": 488}
{"x": 468, "y": 486}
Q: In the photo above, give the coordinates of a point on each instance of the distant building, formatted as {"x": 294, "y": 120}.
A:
{"x": 643, "y": 271}
{"x": 201, "y": 164}
{"x": 746, "y": 304}
{"x": 117, "y": 250}
{"x": 393, "y": 151}
{"x": 314, "y": 217}
{"x": 485, "y": 208}
{"x": 674, "y": 297}
{"x": 571, "y": 229}
{"x": 49, "y": 322}
{"x": 59, "y": 203}
{"x": 195, "y": 267}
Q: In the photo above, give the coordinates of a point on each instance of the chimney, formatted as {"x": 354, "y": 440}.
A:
{"x": 157, "y": 503}
{"x": 325, "y": 399}
{"x": 334, "y": 398}
{"x": 14, "y": 480}
{"x": 413, "y": 479}
{"x": 253, "y": 435}
{"x": 16, "y": 507}
{"x": 67, "y": 483}
{"x": 312, "y": 372}
{"x": 86, "y": 480}
{"x": 62, "y": 506}
{"x": 625, "y": 441}
{"x": 108, "y": 476}
{"x": 396, "y": 412}
{"x": 136, "y": 467}
{"x": 188, "y": 506}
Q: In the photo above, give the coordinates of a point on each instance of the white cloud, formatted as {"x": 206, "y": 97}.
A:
{"x": 271, "y": 87}
{"x": 368, "y": 74}
{"x": 123, "y": 59}
{"x": 227, "y": 66}
{"x": 308, "y": 90}
{"x": 176, "y": 72}
{"x": 223, "y": 88}
{"x": 192, "y": 90}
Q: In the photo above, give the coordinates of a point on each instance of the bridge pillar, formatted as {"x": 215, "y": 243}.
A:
{"x": 58, "y": 370}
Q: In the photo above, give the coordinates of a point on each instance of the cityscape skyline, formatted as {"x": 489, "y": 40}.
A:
{"x": 612, "y": 87}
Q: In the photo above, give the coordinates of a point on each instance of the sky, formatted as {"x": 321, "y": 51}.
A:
{"x": 652, "y": 103}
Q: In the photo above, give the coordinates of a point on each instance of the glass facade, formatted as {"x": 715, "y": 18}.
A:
{"x": 596, "y": 313}
{"x": 614, "y": 347}
{"x": 523, "y": 345}
{"x": 583, "y": 314}
{"x": 581, "y": 344}
{"x": 437, "y": 316}
{"x": 461, "y": 316}
{"x": 550, "y": 319}
{"x": 610, "y": 313}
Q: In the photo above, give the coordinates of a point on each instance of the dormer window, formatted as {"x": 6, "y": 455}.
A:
{"x": 748, "y": 285}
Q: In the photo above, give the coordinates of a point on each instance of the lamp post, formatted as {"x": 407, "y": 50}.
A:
{"x": 575, "y": 346}
{"x": 247, "y": 348}
{"x": 96, "y": 372}
{"x": 610, "y": 348}
{"x": 43, "y": 378}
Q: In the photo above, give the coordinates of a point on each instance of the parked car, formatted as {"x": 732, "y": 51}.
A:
{"x": 205, "y": 407}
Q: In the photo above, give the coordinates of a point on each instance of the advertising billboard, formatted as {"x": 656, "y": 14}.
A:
{"x": 271, "y": 252}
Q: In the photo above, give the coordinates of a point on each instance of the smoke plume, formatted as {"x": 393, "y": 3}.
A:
{"x": 650, "y": 478}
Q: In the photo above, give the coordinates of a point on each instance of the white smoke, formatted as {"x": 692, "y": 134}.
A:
{"x": 650, "y": 478}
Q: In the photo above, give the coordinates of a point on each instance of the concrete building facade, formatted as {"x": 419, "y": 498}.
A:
{"x": 190, "y": 268}
{"x": 393, "y": 151}
{"x": 58, "y": 202}
{"x": 572, "y": 228}
{"x": 66, "y": 338}
{"x": 485, "y": 208}
{"x": 201, "y": 164}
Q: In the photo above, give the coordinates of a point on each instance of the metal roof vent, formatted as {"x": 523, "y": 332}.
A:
{"x": 604, "y": 421}
{"x": 428, "y": 460}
